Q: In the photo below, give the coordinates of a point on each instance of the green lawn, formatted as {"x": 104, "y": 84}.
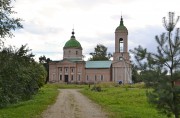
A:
{"x": 123, "y": 102}
{"x": 34, "y": 107}
{"x": 119, "y": 102}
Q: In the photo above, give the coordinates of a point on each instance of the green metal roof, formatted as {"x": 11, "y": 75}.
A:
{"x": 98, "y": 64}
{"x": 121, "y": 28}
{"x": 74, "y": 59}
{"x": 71, "y": 60}
{"x": 121, "y": 25}
{"x": 72, "y": 43}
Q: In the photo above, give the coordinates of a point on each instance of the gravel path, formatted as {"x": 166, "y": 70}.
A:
{"x": 72, "y": 104}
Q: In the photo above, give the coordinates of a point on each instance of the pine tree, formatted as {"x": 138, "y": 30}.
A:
{"x": 160, "y": 70}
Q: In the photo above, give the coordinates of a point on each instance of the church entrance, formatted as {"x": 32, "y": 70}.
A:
{"x": 66, "y": 78}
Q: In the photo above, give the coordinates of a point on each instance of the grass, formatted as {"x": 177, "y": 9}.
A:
{"x": 124, "y": 102}
{"x": 127, "y": 101}
{"x": 70, "y": 86}
{"x": 34, "y": 107}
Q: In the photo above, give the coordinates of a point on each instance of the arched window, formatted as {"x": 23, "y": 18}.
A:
{"x": 87, "y": 77}
{"x": 72, "y": 77}
{"x": 121, "y": 45}
{"x": 102, "y": 77}
{"x": 60, "y": 77}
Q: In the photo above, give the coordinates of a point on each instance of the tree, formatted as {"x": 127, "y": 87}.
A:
{"x": 45, "y": 61}
{"x": 100, "y": 53}
{"x": 20, "y": 76}
{"x": 135, "y": 75}
{"x": 7, "y": 23}
{"x": 160, "y": 70}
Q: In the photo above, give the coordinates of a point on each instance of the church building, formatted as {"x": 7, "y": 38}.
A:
{"x": 73, "y": 69}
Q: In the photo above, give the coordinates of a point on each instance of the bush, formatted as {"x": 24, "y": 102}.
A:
{"x": 20, "y": 75}
{"x": 96, "y": 88}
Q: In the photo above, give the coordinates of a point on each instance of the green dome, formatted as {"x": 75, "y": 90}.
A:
{"x": 121, "y": 26}
{"x": 72, "y": 43}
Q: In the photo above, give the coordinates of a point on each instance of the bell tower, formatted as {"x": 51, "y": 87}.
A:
{"x": 121, "y": 42}
{"x": 121, "y": 67}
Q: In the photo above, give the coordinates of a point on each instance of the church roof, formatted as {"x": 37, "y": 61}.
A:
{"x": 70, "y": 60}
{"x": 121, "y": 25}
{"x": 72, "y": 43}
{"x": 98, "y": 64}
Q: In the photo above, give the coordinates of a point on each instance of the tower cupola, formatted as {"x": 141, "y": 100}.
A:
{"x": 72, "y": 43}
{"x": 121, "y": 41}
{"x": 72, "y": 49}
{"x": 121, "y": 26}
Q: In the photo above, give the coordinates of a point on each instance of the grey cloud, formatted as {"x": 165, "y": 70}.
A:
{"x": 117, "y": 17}
{"x": 83, "y": 4}
{"x": 47, "y": 52}
{"x": 145, "y": 37}
{"x": 90, "y": 43}
{"x": 96, "y": 2}
{"x": 40, "y": 30}
{"x": 89, "y": 4}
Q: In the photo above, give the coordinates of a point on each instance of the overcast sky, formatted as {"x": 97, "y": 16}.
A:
{"x": 48, "y": 23}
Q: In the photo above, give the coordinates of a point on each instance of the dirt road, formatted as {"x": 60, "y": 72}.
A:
{"x": 72, "y": 104}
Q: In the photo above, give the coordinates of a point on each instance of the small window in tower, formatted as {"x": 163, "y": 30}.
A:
{"x": 121, "y": 45}
{"x": 120, "y": 58}
{"x": 76, "y": 52}
{"x": 69, "y": 51}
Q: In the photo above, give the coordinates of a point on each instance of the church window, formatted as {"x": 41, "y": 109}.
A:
{"x": 79, "y": 70}
{"x": 72, "y": 70}
{"x": 95, "y": 78}
{"x": 87, "y": 77}
{"x": 76, "y": 52}
{"x": 66, "y": 70}
{"x": 60, "y": 69}
{"x": 79, "y": 77}
{"x": 69, "y": 51}
{"x": 60, "y": 77}
{"x": 72, "y": 77}
{"x": 121, "y": 45}
{"x": 102, "y": 77}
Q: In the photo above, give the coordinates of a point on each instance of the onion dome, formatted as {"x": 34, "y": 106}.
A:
{"x": 121, "y": 26}
{"x": 72, "y": 43}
